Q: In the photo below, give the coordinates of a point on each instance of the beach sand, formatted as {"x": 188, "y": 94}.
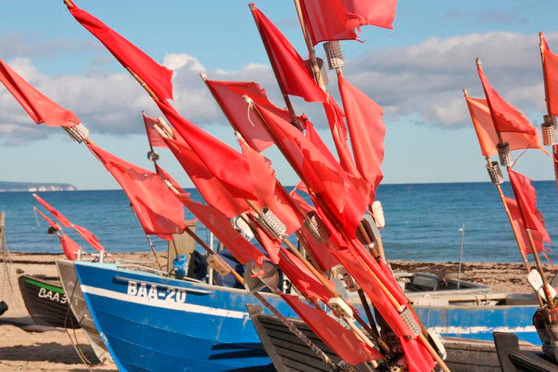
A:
{"x": 52, "y": 350}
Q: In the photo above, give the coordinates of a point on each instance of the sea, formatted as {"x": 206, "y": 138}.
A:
{"x": 424, "y": 222}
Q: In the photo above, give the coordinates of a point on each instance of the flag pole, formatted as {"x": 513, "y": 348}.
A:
{"x": 399, "y": 307}
{"x": 549, "y": 118}
{"x": 294, "y": 120}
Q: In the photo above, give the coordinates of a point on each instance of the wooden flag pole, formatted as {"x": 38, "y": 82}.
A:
{"x": 549, "y": 299}
{"x": 548, "y": 109}
{"x": 290, "y": 107}
{"x": 311, "y": 51}
{"x": 388, "y": 294}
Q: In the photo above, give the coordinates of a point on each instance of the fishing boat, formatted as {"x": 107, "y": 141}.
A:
{"x": 151, "y": 322}
{"x": 46, "y": 301}
{"x": 68, "y": 278}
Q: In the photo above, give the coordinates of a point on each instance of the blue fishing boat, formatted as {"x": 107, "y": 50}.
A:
{"x": 152, "y": 322}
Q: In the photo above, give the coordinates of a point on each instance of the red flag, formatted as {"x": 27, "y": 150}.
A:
{"x": 224, "y": 163}
{"x": 39, "y": 107}
{"x": 157, "y": 77}
{"x": 319, "y": 170}
{"x": 271, "y": 246}
{"x": 487, "y": 136}
{"x": 286, "y": 62}
{"x": 337, "y": 19}
{"x": 153, "y": 136}
{"x": 505, "y": 116}
{"x": 302, "y": 277}
{"x": 89, "y": 237}
{"x": 210, "y": 188}
{"x": 367, "y": 130}
{"x": 220, "y": 225}
{"x": 50, "y": 222}
{"x": 59, "y": 216}
{"x": 538, "y": 238}
{"x": 526, "y": 198}
{"x": 69, "y": 247}
{"x": 339, "y": 339}
{"x": 270, "y": 194}
{"x": 229, "y": 95}
{"x": 550, "y": 70}
{"x": 155, "y": 205}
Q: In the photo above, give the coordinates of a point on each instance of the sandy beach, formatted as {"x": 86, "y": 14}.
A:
{"x": 52, "y": 350}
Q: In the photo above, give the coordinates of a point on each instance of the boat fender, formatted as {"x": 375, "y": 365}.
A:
{"x": 179, "y": 266}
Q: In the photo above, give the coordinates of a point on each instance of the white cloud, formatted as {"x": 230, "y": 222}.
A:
{"x": 423, "y": 80}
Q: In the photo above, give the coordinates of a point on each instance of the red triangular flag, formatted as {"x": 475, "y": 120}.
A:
{"x": 287, "y": 63}
{"x": 153, "y": 136}
{"x": 337, "y": 19}
{"x": 89, "y": 237}
{"x": 224, "y": 162}
{"x": 59, "y": 216}
{"x": 154, "y": 204}
{"x": 157, "y": 77}
{"x": 550, "y": 70}
{"x": 339, "y": 339}
{"x": 69, "y": 247}
{"x": 367, "y": 130}
{"x": 487, "y": 136}
{"x": 229, "y": 95}
{"x": 538, "y": 238}
{"x": 526, "y": 198}
{"x": 505, "y": 116}
{"x": 210, "y": 188}
{"x": 39, "y": 107}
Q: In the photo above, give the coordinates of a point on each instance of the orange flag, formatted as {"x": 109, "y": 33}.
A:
{"x": 39, "y": 107}
{"x": 329, "y": 20}
{"x": 286, "y": 62}
{"x": 550, "y": 70}
{"x": 157, "y": 77}
{"x": 59, "y": 216}
{"x": 367, "y": 130}
{"x": 339, "y": 339}
{"x": 526, "y": 198}
{"x": 505, "y": 116}
{"x": 539, "y": 238}
{"x": 229, "y": 96}
{"x": 487, "y": 136}
{"x": 158, "y": 211}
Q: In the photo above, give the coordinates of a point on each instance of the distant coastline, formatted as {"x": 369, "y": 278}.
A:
{"x": 35, "y": 187}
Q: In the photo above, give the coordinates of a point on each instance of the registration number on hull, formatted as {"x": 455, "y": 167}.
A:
{"x": 151, "y": 292}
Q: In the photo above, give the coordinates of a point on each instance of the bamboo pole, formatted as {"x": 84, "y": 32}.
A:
{"x": 374, "y": 277}
{"x": 548, "y": 109}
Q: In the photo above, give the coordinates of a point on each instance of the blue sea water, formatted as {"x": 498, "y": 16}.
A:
{"x": 422, "y": 221}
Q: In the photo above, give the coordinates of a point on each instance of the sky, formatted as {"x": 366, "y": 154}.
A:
{"x": 416, "y": 72}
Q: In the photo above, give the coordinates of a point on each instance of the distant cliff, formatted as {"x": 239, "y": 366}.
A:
{"x": 35, "y": 187}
